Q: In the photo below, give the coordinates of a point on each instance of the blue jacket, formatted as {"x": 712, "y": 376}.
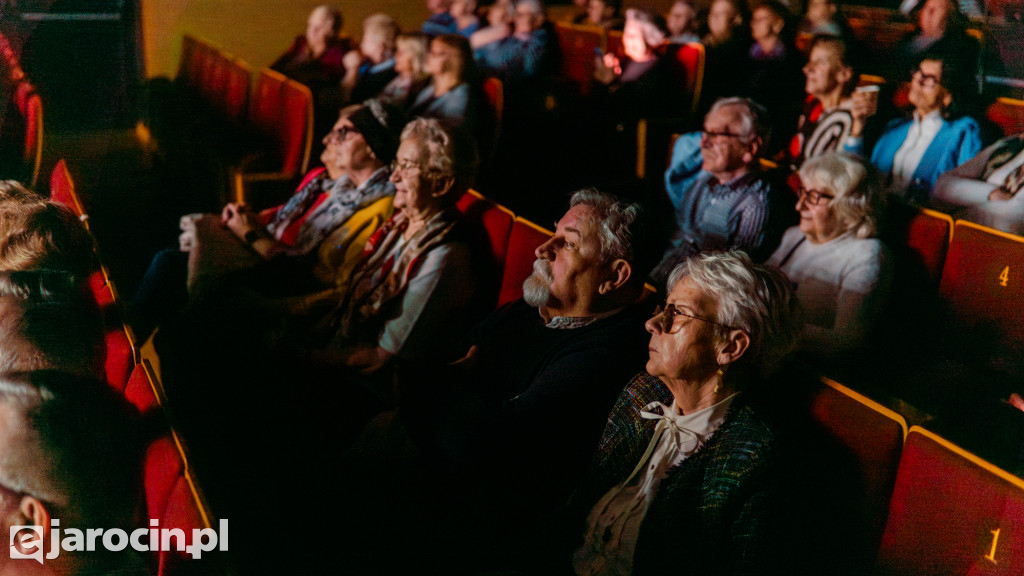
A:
{"x": 956, "y": 142}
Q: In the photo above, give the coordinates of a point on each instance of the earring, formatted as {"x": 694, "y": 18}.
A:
{"x": 718, "y": 385}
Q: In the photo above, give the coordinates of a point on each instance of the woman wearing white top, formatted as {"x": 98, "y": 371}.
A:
{"x": 914, "y": 152}
{"x": 985, "y": 188}
{"x": 840, "y": 272}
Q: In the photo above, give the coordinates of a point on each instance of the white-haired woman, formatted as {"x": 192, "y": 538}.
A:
{"x": 684, "y": 471}
{"x": 410, "y": 296}
{"x": 840, "y": 270}
{"x": 410, "y": 62}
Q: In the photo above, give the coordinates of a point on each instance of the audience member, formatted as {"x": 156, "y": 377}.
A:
{"x": 823, "y": 18}
{"x": 451, "y": 96}
{"x": 466, "y": 20}
{"x": 603, "y": 14}
{"x": 316, "y": 59}
{"x": 411, "y": 294}
{"x": 682, "y": 22}
{"x": 71, "y": 452}
{"x": 726, "y": 42}
{"x": 410, "y": 62}
{"x": 913, "y": 153}
{"x": 523, "y": 53}
{"x": 772, "y": 67}
{"x": 333, "y": 211}
{"x": 47, "y": 322}
{"x": 942, "y": 30}
{"x": 500, "y": 413}
{"x": 985, "y": 188}
{"x": 369, "y": 68}
{"x": 840, "y": 272}
{"x": 36, "y": 234}
{"x": 499, "y": 22}
{"x": 686, "y": 472}
{"x": 732, "y": 203}
{"x": 441, "y": 20}
{"x": 833, "y": 113}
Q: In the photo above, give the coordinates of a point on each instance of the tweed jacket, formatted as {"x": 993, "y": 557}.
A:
{"x": 711, "y": 512}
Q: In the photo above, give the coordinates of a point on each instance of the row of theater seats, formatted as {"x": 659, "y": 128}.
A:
{"x": 21, "y": 124}
{"x": 931, "y": 506}
{"x": 171, "y": 493}
{"x": 262, "y": 129}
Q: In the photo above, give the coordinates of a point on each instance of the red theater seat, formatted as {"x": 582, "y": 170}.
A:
{"x": 1008, "y": 114}
{"x": 577, "y": 45}
{"x": 62, "y": 189}
{"x": 139, "y": 390}
{"x": 874, "y": 437}
{"x": 952, "y": 513}
{"x": 30, "y": 106}
{"x": 920, "y": 239}
{"x": 690, "y": 58}
{"x": 982, "y": 284}
{"x": 523, "y": 241}
{"x": 495, "y": 221}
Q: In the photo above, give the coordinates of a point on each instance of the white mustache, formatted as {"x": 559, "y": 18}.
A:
{"x": 542, "y": 268}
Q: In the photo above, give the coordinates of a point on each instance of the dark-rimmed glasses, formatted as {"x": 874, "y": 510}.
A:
{"x": 665, "y": 318}
{"x": 812, "y": 197}
{"x": 341, "y": 133}
{"x": 926, "y": 80}
{"x": 718, "y": 136}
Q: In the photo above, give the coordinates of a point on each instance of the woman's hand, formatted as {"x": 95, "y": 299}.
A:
{"x": 606, "y": 68}
{"x": 865, "y": 105}
{"x": 240, "y": 220}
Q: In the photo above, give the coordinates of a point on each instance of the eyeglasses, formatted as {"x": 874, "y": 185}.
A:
{"x": 717, "y": 136}
{"x": 404, "y": 166}
{"x": 926, "y": 80}
{"x": 812, "y": 197}
{"x": 665, "y": 318}
{"x": 341, "y": 134}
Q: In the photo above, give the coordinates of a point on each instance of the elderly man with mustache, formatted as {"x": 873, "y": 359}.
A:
{"x": 519, "y": 417}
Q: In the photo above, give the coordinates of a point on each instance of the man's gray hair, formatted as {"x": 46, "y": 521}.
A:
{"x": 755, "y": 118}
{"x": 755, "y": 298}
{"x": 618, "y": 223}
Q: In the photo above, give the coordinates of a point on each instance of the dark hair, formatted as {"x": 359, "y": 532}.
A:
{"x": 36, "y": 233}
{"x": 956, "y": 79}
{"x": 466, "y": 63}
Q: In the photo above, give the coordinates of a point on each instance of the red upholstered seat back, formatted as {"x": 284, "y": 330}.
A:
{"x": 523, "y": 241}
{"x": 577, "y": 44}
{"x": 952, "y": 513}
{"x": 267, "y": 101}
{"x": 1008, "y": 114}
{"x": 295, "y": 128}
{"x": 613, "y": 43}
{"x": 690, "y": 58}
{"x": 169, "y": 499}
{"x": 62, "y": 189}
{"x": 982, "y": 284}
{"x": 235, "y": 96}
{"x": 920, "y": 238}
{"x": 874, "y": 437}
{"x": 139, "y": 390}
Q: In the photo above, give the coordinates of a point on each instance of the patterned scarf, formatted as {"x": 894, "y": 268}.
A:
{"x": 383, "y": 276}
{"x": 299, "y": 203}
{"x": 344, "y": 199}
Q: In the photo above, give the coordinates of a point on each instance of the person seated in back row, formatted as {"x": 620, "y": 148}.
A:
{"x": 730, "y": 203}
{"x": 985, "y": 189}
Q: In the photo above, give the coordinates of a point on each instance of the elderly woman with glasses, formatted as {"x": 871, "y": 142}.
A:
{"x": 840, "y": 271}
{"x": 410, "y": 295}
{"x": 914, "y": 152}
{"x": 685, "y": 470}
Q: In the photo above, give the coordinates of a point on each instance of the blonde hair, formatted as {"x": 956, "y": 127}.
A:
{"x": 856, "y": 199}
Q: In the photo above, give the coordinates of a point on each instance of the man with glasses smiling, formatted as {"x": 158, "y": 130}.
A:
{"x": 731, "y": 203}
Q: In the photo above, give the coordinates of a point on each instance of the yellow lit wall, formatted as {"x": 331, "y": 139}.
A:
{"x": 255, "y": 30}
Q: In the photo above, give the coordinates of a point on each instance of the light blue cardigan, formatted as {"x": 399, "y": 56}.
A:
{"x": 956, "y": 142}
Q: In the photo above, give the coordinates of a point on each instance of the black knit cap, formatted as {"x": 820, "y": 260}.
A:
{"x": 381, "y": 126}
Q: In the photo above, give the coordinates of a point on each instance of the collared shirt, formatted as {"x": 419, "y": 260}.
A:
{"x": 570, "y": 322}
{"x": 920, "y": 135}
{"x": 717, "y": 216}
{"x": 614, "y": 522}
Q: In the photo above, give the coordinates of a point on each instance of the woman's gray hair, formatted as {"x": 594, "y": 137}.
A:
{"x": 755, "y": 118}
{"x": 755, "y": 298}
{"x": 619, "y": 224}
{"x": 651, "y": 25}
{"x": 856, "y": 201}
{"x": 419, "y": 44}
{"x": 451, "y": 156}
